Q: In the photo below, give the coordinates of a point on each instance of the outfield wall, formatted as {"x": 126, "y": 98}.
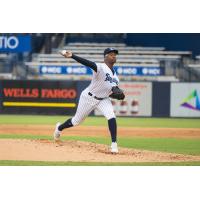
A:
{"x": 148, "y": 99}
{"x": 185, "y": 100}
{"x": 161, "y": 99}
{"x": 138, "y": 101}
{"x": 40, "y": 97}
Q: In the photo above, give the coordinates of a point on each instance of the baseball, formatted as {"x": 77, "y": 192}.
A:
{"x": 63, "y": 52}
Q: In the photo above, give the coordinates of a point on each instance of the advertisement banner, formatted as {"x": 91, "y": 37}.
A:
{"x": 138, "y": 101}
{"x": 140, "y": 71}
{"x": 56, "y": 97}
{"x": 15, "y": 44}
{"x": 82, "y": 70}
{"x": 185, "y": 100}
{"x": 0, "y": 96}
{"x": 70, "y": 70}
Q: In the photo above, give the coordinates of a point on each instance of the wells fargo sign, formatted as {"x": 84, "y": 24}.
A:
{"x": 36, "y": 93}
{"x": 38, "y": 96}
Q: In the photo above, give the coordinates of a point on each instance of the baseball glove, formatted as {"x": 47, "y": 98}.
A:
{"x": 117, "y": 93}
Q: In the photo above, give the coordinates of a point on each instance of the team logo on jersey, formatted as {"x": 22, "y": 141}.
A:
{"x": 110, "y": 79}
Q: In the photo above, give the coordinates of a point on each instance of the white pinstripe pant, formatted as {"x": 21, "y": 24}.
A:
{"x": 88, "y": 103}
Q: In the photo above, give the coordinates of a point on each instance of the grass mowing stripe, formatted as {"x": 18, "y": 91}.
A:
{"x": 48, "y": 137}
{"x": 45, "y": 163}
{"x": 171, "y": 145}
{"x": 101, "y": 121}
{"x": 29, "y": 137}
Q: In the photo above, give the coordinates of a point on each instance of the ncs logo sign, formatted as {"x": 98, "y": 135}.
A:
{"x": 192, "y": 101}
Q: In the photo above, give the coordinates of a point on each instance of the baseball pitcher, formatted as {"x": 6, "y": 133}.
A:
{"x": 104, "y": 85}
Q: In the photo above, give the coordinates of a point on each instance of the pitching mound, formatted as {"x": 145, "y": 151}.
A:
{"x": 46, "y": 150}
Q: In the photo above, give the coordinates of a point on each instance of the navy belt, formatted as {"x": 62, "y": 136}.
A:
{"x": 89, "y": 93}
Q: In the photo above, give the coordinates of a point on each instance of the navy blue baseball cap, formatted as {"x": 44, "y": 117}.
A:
{"x": 109, "y": 50}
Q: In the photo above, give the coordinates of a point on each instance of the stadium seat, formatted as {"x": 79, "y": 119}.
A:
{"x": 128, "y": 56}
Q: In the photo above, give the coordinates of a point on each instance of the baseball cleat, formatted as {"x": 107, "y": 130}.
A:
{"x": 114, "y": 148}
{"x": 56, "y": 134}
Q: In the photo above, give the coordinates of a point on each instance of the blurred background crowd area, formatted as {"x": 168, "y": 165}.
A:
{"x": 142, "y": 56}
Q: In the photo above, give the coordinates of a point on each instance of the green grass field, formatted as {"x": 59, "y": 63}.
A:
{"x": 182, "y": 146}
{"x": 101, "y": 121}
{"x": 43, "y": 163}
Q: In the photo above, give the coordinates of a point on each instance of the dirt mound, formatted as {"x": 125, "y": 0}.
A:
{"x": 46, "y": 150}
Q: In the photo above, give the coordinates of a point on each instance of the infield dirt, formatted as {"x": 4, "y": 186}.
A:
{"x": 102, "y": 131}
{"x": 47, "y": 150}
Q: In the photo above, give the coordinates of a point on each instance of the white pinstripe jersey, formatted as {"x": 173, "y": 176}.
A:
{"x": 102, "y": 81}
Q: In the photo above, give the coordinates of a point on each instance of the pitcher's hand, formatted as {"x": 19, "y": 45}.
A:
{"x": 66, "y": 54}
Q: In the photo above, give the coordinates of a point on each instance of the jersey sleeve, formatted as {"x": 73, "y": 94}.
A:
{"x": 85, "y": 62}
{"x": 98, "y": 68}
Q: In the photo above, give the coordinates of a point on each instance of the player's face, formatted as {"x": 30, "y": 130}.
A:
{"x": 112, "y": 57}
